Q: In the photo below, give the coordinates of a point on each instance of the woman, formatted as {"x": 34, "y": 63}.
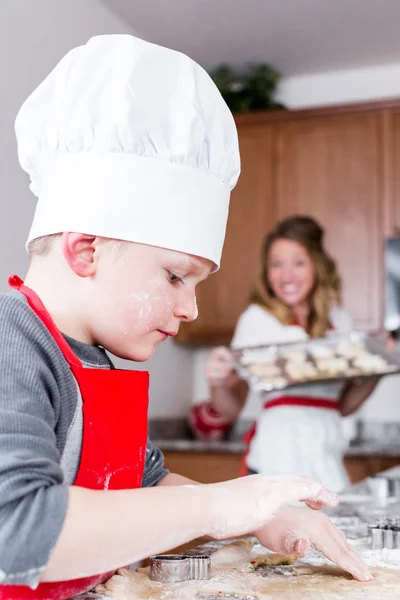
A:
{"x": 297, "y": 295}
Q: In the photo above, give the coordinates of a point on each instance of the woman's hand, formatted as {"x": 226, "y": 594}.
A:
{"x": 220, "y": 369}
{"x": 355, "y": 394}
{"x": 294, "y": 530}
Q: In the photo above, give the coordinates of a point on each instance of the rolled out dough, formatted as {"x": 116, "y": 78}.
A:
{"x": 231, "y": 555}
{"x": 230, "y": 575}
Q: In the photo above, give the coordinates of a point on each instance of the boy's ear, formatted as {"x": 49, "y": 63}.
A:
{"x": 79, "y": 251}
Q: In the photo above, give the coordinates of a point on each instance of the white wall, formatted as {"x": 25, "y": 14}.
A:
{"x": 34, "y": 35}
{"x": 341, "y": 87}
{"x": 384, "y": 403}
{"x": 31, "y": 43}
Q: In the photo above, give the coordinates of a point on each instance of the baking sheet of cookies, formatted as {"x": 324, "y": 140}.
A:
{"x": 329, "y": 359}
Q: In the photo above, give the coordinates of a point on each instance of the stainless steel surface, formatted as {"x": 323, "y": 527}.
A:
{"x": 373, "y": 448}
{"x": 274, "y": 359}
{"x": 375, "y": 431}
{"x": 372, "y": 438}
{"x": 386, "y": 534}
{"x": 379, "y": 489}
{"x": 377, "y": 538}
{"x": 388, "y": 539}
{"x": 200, "y": 567}
{"x": 394, "y": 487}
{"x": 392, "y": 284}
{"x": 172, "y": 568}
{"x": 353, "y": 527}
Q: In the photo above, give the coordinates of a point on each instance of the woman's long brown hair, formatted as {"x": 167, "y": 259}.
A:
{"x": 327, "y": 288}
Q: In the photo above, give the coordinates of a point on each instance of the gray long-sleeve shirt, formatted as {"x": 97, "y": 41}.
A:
{"x": 41, "y": 428}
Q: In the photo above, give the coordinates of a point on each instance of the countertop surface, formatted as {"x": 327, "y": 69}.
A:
{"x": 351, "y": 517}
{"x": 173, "y": 435}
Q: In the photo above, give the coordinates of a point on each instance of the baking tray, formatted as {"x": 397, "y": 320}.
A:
{"x": 334, "y": 358}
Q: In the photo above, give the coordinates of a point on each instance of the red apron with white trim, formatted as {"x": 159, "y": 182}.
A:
{"x": 305, "y": 401}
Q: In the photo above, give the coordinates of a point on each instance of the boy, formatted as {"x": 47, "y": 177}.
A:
{"x": 132, "y": 154}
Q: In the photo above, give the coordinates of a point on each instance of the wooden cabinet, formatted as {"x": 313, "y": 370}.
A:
{"x": 391, "y": 178}
{"x": 360, "y": 467}
{"x": 223, "y": 296}
{"x": 329, "y": 167}
{"x": 205, "y": 467}
{"x": 337, "y": 164}
{"x": 211, "y": 467}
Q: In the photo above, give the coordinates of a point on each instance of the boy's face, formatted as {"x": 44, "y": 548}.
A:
{"x": 142, "y": 294}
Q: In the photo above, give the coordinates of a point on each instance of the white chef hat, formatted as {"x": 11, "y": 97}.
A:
{"x": 129, "y": 140}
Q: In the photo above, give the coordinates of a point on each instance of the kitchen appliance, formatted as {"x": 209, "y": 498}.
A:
{"x": 392, "y": 285}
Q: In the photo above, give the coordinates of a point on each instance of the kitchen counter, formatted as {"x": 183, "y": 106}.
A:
{"x": 340, "y": 516}
{"x": 349, "y": 506}
{"x": 173, "y": 435}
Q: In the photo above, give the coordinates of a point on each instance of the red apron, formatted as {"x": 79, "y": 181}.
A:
{"x": 283, "y": 401}
{"x": 114, "y": 442}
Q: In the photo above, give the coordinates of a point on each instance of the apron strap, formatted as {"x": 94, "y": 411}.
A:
{"x": 306, "y": 401}
{"x": 38, "y": 307}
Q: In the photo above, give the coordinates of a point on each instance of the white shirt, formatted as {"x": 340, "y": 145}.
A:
{"x": 294, "y": 440}
{"x": 256, "y": 326}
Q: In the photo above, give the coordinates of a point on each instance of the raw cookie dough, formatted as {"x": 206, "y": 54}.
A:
{"x": 330, "y": 583}
{"x": 238, "y": 555}
{"x": 265, "y": 370}
{"x": 273, "y": 560}
{"x": 371, "y": 364}
{"x": 275, "y": 382}
{"x": 301, "y": 371}
{"x": 318, "y": 351}
{"x": 233, "y": 554}
{"x": 350, "y": 351}
{"x": 128, "y": 585}
{"x": 257, "y": 356}
{"x": 308, "y": 583}
{"x": 295, "y": 355}
{"x": 234, "y": 571}
{"x": 232, "y": 565}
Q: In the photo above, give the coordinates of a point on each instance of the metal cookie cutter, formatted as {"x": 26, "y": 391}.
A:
{"x": 386, "y": 533}
{"x": 172, "y": 568}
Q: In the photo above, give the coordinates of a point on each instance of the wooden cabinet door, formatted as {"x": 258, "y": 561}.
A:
{"x": 391, "y": 193}
{"x": 205, "y": 467}
{"x": 224, "y": 295}
{"x": 330, "y": 167}
{"x": 360, "y": 467}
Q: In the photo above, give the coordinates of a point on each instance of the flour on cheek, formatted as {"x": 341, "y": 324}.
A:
{"x": 139, "y": 309}
{"x": 147, "y": 311}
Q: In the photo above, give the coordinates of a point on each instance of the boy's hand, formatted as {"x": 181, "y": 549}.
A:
{"x": 247, "y": 504}
{"x": 294, "y": 530}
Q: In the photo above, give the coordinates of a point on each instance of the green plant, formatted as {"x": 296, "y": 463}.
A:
{"x": 255, "y": 90}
